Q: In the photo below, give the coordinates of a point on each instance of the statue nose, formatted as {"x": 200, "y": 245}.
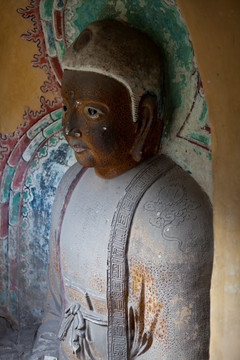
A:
{"x": 73, "y": 132}
{"x": 71, "y": 129}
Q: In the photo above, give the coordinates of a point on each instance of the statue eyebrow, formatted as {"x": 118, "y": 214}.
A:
{"x": 95, "y": 104}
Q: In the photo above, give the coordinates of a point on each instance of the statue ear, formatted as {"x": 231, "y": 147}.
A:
{"x": 147, "y": 118}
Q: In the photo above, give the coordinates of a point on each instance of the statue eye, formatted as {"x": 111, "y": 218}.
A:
{"x": 92, "y": 111}
{"x": 65, "y": 108}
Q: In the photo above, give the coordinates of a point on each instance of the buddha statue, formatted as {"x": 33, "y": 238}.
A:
{"x": 131, "y": 242}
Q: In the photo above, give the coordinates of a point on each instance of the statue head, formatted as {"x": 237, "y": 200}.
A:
{"x": 112, "y": 97}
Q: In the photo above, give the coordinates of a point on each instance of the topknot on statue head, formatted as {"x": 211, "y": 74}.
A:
{"x": 116, "y": 49}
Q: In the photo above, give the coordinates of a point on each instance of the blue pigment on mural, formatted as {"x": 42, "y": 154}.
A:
{"x": 42, "y": 180}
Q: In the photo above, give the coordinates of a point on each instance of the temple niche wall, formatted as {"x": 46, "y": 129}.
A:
{"x": 34, "y": 154}
{"x": 218, "y": 58}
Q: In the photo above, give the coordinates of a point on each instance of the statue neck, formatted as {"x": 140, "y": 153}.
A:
{"x": 112, "y": 172}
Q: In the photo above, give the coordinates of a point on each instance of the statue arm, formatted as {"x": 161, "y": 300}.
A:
{"x": 170, "y": 279}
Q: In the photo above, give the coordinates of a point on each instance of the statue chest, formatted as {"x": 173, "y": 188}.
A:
{"x": 85, "y": 234}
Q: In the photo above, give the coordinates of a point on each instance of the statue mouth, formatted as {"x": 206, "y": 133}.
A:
{"x": 78, "y": 148}
{"x": 77, "y": 145}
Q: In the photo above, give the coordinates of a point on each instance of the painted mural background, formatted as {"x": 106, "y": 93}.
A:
{"x": 35, "y": 156}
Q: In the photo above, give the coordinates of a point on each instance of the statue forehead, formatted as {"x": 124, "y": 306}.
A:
{"x": 81, "y": 84}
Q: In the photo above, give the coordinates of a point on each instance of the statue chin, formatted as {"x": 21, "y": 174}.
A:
{"x": 131, "y": 244}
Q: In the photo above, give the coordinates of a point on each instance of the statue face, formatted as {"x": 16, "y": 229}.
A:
{"x": 97, "y": 121}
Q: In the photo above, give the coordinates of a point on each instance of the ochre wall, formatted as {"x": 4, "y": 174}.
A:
{"x": 17, "y": 92}
{"x": 215, "y": 31}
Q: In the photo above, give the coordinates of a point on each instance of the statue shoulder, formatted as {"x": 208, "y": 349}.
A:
{"x": 62, "y": 190}
{"x": 67, "y": 179}
{"x": 174, "y": 216}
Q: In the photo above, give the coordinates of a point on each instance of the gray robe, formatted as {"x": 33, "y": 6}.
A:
{"x": 168, "y": 262}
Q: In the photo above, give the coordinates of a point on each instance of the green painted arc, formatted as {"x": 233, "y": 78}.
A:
{"x": 6, "y": 182}
{"x": 48, "y": 131}
{"x": 56, "y": 114}
{"x": 204, "y": 112}
{"x": 46, "y": 9}
{"x": 14, "y": 208}
{"x": 201, "y": 138}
